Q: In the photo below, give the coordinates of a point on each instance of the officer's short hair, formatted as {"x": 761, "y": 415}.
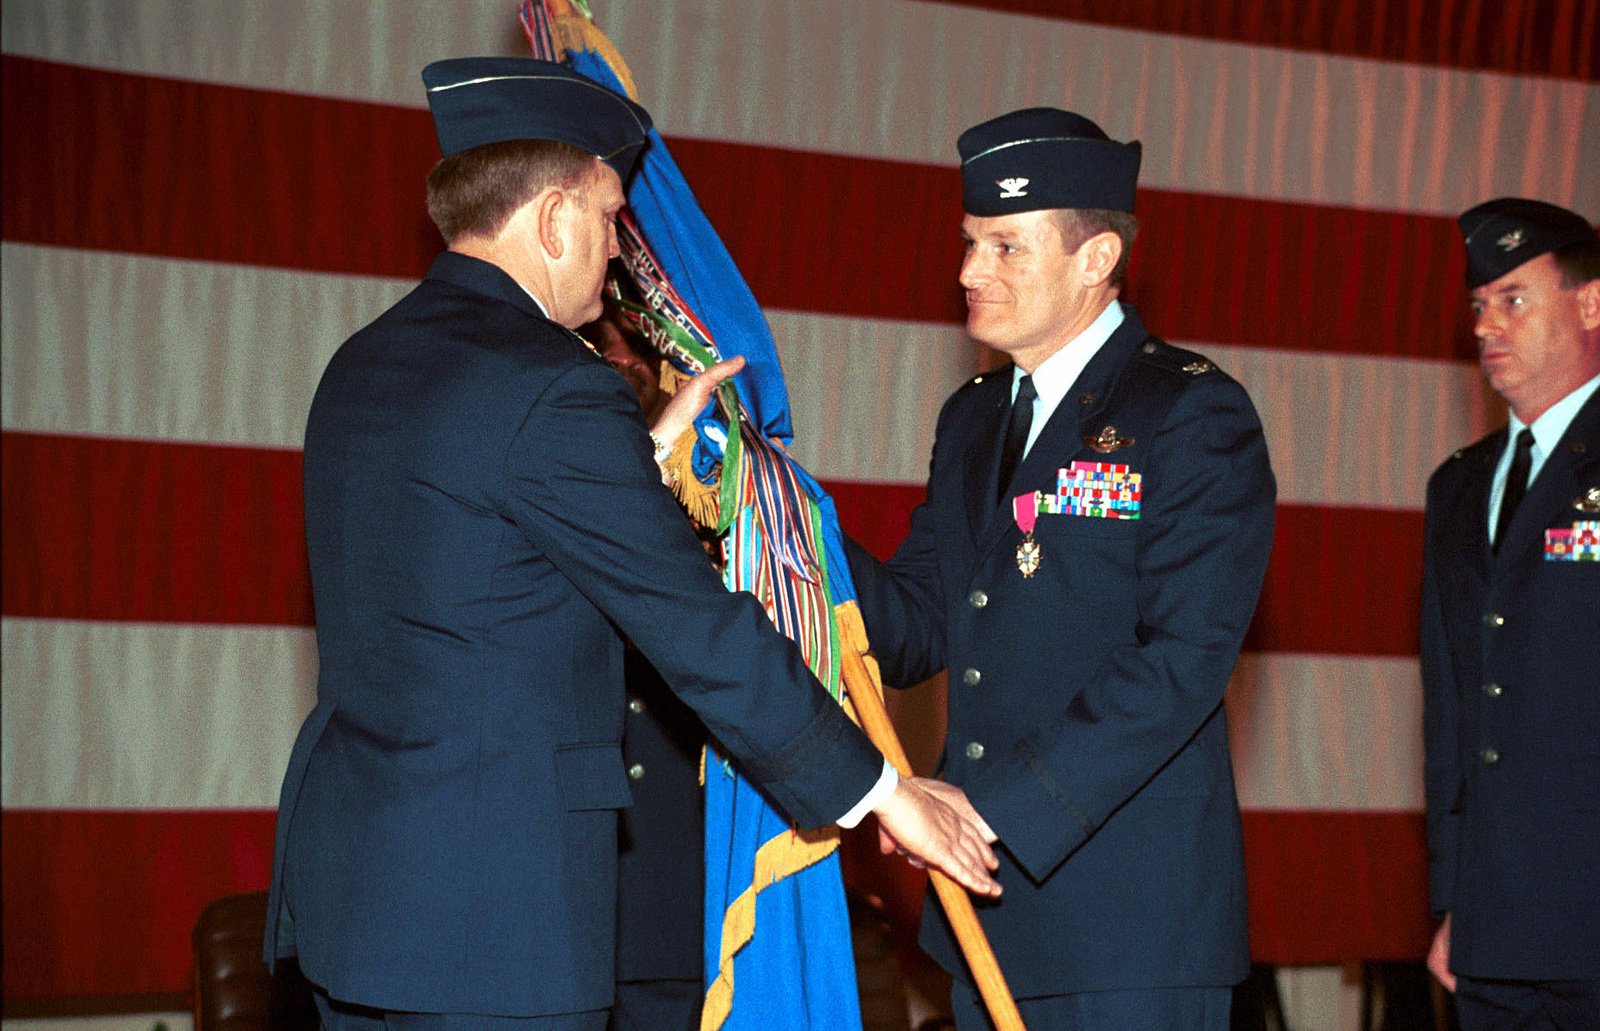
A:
{"x": 474, "y": 193}
{"x": 1079, "y": 224}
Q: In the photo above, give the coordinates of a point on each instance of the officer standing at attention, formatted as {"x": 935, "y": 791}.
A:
{"x": 484, "y": 518}
{"x": 1511, "y": 639}
{"x": 1095, "y": 533}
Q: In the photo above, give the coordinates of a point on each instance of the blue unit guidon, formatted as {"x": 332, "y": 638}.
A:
{"x": 1579, "y": 544}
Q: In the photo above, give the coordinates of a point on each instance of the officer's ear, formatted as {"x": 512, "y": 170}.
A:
{"x": 1098, "y": 257}
{"x": 1589, "y": 305}
{"x": 551, "y": 209}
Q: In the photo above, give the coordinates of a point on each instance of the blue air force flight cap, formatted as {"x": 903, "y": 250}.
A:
{"x": 1043, "y": 157}
{"x": 1506, "y": 232}
{"x": 481, "y": 100}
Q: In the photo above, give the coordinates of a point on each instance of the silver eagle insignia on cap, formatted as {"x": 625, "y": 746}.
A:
{"x": 1012, "y": 187}
{"x": 1511, "y": 241}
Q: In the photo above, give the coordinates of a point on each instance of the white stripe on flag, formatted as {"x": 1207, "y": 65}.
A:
{"x": 1214, "y": 116}
{"x": 1326, "y": 732}
{"x": 200, "y": 351}
{"x": 150, "y": 715}
{"x": 120, "y": 345}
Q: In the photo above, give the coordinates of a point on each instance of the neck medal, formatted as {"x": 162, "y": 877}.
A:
{"x": 1026, "y": 509}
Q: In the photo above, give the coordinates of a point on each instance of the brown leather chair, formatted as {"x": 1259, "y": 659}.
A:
{"x": 232, "y": 989}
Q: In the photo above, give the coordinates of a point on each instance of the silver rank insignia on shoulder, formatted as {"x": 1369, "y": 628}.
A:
{"x": 1012, "y": 187}
{"x": 1107, "y": 441}
{"x": 1511, "y": 241}
{"x": 1196, "y": 368}
{"x": 1588, "y": 502}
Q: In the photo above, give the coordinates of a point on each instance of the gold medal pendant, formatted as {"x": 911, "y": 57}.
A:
{"x": 1028, "y": 556}
{"x": 1025, "y": 509}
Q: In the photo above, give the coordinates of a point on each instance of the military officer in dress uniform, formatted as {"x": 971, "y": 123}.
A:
{"x": 1093, "y": 541}
{"x": 483, "y": 517}
{"x": 1511, "y": 639}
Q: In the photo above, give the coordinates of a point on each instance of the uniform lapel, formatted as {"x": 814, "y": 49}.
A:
{"x": 1564, "y": 476}
{"x": 981, "y": 462}
{"x": 1475, "y": 547}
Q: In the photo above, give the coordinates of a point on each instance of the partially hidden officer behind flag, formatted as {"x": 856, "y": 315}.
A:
{"x": 1088, "y": 557}
{"x": 1511, "y": 639}
{"x": 483, "y": 516}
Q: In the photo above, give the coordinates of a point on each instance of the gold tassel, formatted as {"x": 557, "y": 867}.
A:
{"x": 699, "y": 500}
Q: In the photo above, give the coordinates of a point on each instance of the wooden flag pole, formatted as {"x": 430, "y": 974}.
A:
{"x": 862, "y": 686}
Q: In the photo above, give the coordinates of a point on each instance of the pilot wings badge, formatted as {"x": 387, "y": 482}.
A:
{"x": 1108, "y": 441}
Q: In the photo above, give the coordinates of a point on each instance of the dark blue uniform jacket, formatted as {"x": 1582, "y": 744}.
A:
{"x": 1085, "y": 703}
{"x": 1511, "y": 679}
{"x": 483, "y": 517}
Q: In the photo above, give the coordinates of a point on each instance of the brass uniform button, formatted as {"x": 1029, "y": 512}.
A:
{"x": 1490, "y": 756}
{"x": 978, "y": 599}
{"x": 975, "y": 750}
{"x": 1493, "y": 690}
{"x": 636, "y": 705}
{"x": 1493, "y": 619}
{"x": 636, "y": 771}
{"x": 971, "y": 677}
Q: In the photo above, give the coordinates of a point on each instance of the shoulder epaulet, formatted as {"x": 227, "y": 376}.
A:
{"x": 981, "y": 378}
{"x": 1174, "y": 359}
{"x": 1481, "y": 450}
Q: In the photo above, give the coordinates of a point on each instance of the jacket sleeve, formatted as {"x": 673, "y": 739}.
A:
{"x": 1442, "y": 775}
{"x": 587, "y": 493}
{"x": 1204, "y": 537}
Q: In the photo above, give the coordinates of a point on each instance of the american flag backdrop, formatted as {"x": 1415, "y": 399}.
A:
{"x": 202, "y": 199}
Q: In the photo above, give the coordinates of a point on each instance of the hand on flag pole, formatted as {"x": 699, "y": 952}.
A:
{"x": 933, "y": 824}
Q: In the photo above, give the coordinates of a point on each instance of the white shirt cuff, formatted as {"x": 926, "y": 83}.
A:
{"x": 880, "y": 791}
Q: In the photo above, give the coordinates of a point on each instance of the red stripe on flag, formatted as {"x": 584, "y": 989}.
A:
{"x": 224, "y": 173}
{"x": 1330, "y": 887}
{"x": 119, "y": 162}
{"x": 1341, "y": 581}
{"x": 1556, "y": 38}
{"x": 101, "y": 903}
{"x": 97, "y": 528}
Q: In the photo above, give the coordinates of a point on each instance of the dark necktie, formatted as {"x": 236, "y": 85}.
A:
{"x": 1017, "y": 432}
{"x": 1516, "y": 486}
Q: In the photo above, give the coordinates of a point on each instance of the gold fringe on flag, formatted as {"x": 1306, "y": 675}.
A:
{"x": 575, "y": 32}
{"x": 699, "y": 500}
{"x": 783, "y": 856}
